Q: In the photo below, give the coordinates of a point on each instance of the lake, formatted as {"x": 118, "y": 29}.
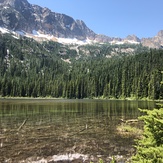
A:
{"x": 51, "y": 130}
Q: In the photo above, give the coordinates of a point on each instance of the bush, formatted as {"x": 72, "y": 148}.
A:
{"x": 150, "y": 147}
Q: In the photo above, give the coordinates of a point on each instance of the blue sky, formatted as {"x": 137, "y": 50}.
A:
{"x": 115, "y": 18}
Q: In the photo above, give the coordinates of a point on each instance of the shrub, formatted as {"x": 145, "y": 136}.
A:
{"x": 150, "y": 147}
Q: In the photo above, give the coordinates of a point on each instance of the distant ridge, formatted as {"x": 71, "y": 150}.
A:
{"x": 42, "y": 24}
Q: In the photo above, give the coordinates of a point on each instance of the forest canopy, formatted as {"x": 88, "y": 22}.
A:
{"x": 32, "y": 69}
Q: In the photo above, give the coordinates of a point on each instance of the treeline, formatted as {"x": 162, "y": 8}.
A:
{"x": 136, "y": 76}
{"x": 31, "y": 69}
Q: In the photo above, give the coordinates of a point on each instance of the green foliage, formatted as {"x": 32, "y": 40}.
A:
{"x": 113, "y": 160}
{"x": 101, "y": 161}
{"x": 150, "y": 147}
{"x": 32, "y": 69}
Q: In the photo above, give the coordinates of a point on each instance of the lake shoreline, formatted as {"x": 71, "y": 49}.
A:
{"x": 61, "y": 98}
{"x": 45, "y": 127}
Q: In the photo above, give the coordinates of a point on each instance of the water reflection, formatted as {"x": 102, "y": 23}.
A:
{"x": 60, "y": 126}
{"x": 12, "y": 112}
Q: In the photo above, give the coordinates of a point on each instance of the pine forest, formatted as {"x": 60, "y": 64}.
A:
{"x": 49, "y": 69}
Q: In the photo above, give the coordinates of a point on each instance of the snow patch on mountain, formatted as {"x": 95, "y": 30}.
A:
{"x": 34, "y": 32}
{"x": 38, "y": 36}
{"x": 74, "y": 41}
{"x": 4, "y": 30}
{"x": 125, "y": 41}
{"x": 20, "y": 33}
{"x": 116, "y": 42}
{"x": 132, "y": 42}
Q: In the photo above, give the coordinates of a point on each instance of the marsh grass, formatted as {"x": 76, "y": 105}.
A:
{"x": 128, "y": 130}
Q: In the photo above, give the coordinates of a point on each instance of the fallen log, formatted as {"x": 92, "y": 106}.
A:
{"x": 129, "y": 121}
{"x": 132, "y": 120}
{"x": 24, "y": 122}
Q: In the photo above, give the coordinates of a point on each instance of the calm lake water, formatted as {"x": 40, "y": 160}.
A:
{"x": 43, "y": 128}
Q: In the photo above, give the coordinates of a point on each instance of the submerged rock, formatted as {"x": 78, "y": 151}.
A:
{"x": 75, "y": 158}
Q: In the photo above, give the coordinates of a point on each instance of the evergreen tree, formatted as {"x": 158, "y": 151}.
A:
{"x": 150, "y": 147}
{"x": 29, "y": 68}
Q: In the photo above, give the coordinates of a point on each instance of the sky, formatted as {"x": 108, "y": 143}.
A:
{"x": 114, "y": 18}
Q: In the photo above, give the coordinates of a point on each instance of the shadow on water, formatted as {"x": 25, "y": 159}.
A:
{"x": 43, "y": 128}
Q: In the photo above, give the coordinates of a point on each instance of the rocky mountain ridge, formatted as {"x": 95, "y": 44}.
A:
{"x": 19, "y": 15}
{"x": 41, "y": 24}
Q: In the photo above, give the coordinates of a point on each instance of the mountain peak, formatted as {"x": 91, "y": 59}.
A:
{"x": 22, "y": 16}
{"x": 160, "y": 33}
{"x": 35, "y": 21}
{"x": 14, "y": 3}
{"x": 133, "y": 37}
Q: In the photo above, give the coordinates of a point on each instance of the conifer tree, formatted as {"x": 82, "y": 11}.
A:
{"x": 150, "y": 147}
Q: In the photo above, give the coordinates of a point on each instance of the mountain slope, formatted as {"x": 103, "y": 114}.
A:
{"x": 43, "y": 24}
{"x": 19, "y": 15}
{"x": 32, "y": 69}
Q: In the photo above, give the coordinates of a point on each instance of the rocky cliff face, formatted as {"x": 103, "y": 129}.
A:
{"x": 21, "y": 16}
{"x": 16, "y": 15}
{"x": 154, "y": 42}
